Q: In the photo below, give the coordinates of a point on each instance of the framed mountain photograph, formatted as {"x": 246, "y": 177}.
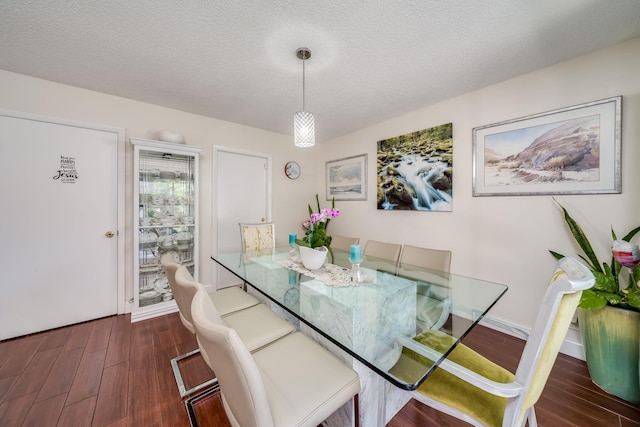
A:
{"x": 573, "y": 150}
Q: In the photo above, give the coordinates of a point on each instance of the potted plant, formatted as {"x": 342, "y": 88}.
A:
{"x": 316, "y": 243}
{"x": 609, "y": 314}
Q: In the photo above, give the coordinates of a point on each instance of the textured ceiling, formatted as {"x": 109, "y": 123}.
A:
{"x": 235, "y": 60}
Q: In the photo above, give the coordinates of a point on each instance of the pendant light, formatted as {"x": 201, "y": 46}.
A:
{"x": 303, "y": 123}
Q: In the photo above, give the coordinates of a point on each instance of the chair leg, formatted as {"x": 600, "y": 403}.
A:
{"x": 533, "y": 422}
{"x": 178, "y": 375}
{"x": 356, "y": 411}
{"x": 189, "y": 404}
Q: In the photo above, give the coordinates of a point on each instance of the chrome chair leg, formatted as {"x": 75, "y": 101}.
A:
{"x": 178, "y": 375}
{"x": 189, "y": 403}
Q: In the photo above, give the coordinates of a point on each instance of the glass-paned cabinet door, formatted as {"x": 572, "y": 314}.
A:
{"x": 165, "y": 219}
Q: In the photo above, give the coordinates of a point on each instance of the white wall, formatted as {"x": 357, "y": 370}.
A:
{"x": 506, "y": 239}
{"x": 31, "y": 95}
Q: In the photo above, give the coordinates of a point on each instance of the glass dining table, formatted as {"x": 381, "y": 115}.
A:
{"x": 375, "y": 324}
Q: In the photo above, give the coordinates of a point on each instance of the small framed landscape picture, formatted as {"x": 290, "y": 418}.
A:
{"x": 347, "y": 178}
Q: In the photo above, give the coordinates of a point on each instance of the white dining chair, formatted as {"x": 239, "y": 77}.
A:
{"x": 227, "y": 300}
{"x": 291, "y": 382}
{"x": 433, "y": 304}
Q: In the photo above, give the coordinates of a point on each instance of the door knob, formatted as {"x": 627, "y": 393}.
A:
{"x": 262, "y": 219}
{"x": 109, "y": 234}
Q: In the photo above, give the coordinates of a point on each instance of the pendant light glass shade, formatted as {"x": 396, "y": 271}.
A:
{"x": 304, "y": 128}
{"x": 304, "y": 132}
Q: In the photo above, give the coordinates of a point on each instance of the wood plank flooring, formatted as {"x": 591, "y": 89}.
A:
{"x": 109, "y": 372}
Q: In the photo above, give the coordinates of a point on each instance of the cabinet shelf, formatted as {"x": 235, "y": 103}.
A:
{"x": 158, "y": 206}
{"x": 158, "y": 179}
{"x": 146, "y": 227}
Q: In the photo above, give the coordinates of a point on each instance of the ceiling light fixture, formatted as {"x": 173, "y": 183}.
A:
{"x": 304, "y": 132}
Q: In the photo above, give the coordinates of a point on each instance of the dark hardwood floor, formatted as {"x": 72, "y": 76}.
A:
{"x": 110, "y": 372}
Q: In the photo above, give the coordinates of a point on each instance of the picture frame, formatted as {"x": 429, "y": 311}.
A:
{"x": 415, "y": 170}
{"x": 572, "y": 150}
{"x": 346, "y": 178}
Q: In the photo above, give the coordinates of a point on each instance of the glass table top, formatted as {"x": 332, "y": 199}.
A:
{"x": 379, "y": 320}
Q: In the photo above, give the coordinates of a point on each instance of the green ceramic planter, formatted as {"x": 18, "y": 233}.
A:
{"x": 611, "y": 339}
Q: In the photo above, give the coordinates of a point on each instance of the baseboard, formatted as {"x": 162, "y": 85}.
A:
{"x": 154, "y": 311}
{"x": 572, "y": 345}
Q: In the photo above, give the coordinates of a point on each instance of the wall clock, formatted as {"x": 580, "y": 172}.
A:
{"x": 292, "y": 170}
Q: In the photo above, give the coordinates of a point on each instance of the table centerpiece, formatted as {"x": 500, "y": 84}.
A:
{"x": 315, "y": 245}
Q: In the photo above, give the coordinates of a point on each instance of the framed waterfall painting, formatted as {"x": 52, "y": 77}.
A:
{"x": 415, "y": 170}
{"x": 573, "y": 150}
{"x": 347, "y": 178}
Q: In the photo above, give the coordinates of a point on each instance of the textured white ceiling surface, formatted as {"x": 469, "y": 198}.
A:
{"x": 372, "y": 60}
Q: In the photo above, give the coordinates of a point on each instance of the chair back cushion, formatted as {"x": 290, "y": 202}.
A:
{"x": 388, "y": 251}
{"x": 434, "y": 259}
{"x": 256, "y": 237}
{"x": 244, "y": 395}
{"x": 187, "y": 289}
{"x": 170, "y": 266}
{"x": 343, "y": 243}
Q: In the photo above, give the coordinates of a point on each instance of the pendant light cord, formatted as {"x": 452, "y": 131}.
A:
{"x": 304, "y": 57}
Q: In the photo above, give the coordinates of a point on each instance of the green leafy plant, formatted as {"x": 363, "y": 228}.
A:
{"x": 607, "y": 288}
{"x": 316, "y": 226}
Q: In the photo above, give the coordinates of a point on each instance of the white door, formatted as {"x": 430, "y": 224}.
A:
{"x": 242, "y": 188}
{"x": 59, "y": 224}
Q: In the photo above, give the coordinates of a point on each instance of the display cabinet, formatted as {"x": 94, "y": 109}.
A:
{"x": 165, "y": 201}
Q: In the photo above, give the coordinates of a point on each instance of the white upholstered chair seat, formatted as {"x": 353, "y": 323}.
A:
{"x": 232, "y": 299}
{"x": 258, "y": 326}
{"x": 307, "y": 385}
{"x": 226, "y": 300}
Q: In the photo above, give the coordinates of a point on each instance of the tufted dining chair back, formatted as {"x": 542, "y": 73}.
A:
{"x": 257, "y": 236}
